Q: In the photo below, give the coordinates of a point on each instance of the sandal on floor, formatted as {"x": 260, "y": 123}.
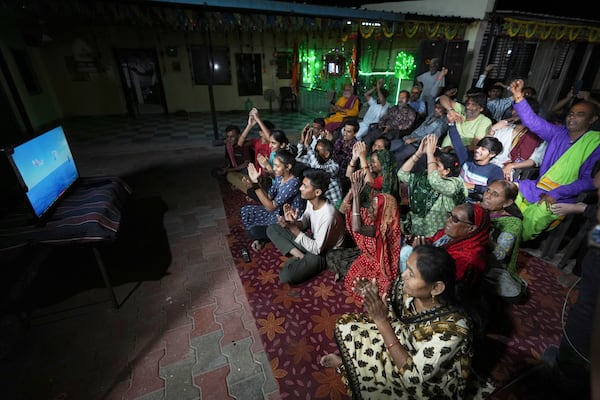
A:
{"x": 257, "y": 245}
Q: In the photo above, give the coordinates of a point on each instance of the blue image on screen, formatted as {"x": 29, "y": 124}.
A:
{"x": 46, "y": 167}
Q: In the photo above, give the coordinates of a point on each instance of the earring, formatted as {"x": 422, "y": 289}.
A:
{"x": 433, "y": 299}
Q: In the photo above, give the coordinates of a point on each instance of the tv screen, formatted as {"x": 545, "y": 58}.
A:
{"x": 45, "y": 168}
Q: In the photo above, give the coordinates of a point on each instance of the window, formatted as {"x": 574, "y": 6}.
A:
{"x": 512, "y": 57}
{"x": 201, "y": 68}
{"x": 249, "y": 74}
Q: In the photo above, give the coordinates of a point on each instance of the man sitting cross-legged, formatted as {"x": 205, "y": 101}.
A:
{"x": 326, "y": 224}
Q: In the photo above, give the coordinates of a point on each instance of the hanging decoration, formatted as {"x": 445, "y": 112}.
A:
{"x": 411, "y": 28}
{"x": 352, "y": 67}
{"x": 366, "y": 29}
{"x": 550, "y": 31}
{"x": 389, "y": 31}
{"x": 295, "y": 70}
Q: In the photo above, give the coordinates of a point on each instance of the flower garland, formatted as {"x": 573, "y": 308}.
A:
{"x": 450, "y": 31}
{"x": 388, "y": 33}
{"x": 366, "y": 30}
{"x": 544, "y": 31}
{"x": 431, "y": 30}
{"x": 411, "y": 28}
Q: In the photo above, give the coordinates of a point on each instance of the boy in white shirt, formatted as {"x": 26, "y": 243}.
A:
{"x": 325, "y": 222}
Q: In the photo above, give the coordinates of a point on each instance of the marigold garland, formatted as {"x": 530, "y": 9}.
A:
{"x": 431, "y": 29}
{"x": 366, "y": 30}
{"x": 389, "y": 33}
{"x": 450, "y": 31}
{"x": 529, "y": 32}
{"x": 544, "y": 31}
{"x": 411, "y": 28}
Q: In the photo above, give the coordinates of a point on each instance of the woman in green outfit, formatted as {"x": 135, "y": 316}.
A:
{"x": 434, "y": 193}
{"x": 507, "y": 223}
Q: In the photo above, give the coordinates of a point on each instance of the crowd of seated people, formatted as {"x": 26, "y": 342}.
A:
{"x": 462, "y": 199}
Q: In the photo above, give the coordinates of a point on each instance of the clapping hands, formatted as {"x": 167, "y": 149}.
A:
{"x": 253, "y": 173}
{"x": 359, "y": 149}
{"x": 289, "y": 218}
{"x": 357, "y": 180}
{"x": 374, "y": 305}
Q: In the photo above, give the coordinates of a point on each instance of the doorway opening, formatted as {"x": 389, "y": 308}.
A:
{"x": 141, "y": 81}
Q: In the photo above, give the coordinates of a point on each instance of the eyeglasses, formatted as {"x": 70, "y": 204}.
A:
{"x": 456, "y": 220}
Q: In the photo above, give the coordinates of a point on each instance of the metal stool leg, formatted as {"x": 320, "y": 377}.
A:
{"x": 111, "y": 291}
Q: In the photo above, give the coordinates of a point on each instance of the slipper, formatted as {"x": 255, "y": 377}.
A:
{"x": 330, "y": 361}
{"x": 257, "y": 245}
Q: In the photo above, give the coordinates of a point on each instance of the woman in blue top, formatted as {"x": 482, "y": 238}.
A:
{"x": 285, "y": 189}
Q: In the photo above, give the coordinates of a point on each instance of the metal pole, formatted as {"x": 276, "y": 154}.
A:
{"x": 211, "y": 95}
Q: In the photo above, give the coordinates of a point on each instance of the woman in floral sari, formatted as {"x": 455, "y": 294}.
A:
{"x": 418, "y": 345}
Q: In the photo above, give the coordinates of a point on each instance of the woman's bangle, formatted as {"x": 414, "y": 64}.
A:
{"x": 517, "y": 98}
{"x": 355, "y": 213}
{"x": 395, "y": 342}
{"x": 432, "y": 162}
{"x": 365, "y": 167}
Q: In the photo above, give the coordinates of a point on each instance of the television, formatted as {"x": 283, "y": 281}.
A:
{"x": 45, "y": 169}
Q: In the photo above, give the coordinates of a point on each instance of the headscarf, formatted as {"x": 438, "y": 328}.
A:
{"x": 387, "y": 182}
{"x": 469, "y": 251}
{"x": 387, "y": 234}
{"x": 389, "y": 171}
{"x": 422, "y": 195}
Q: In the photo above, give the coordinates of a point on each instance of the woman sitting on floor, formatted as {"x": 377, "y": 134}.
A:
{"x": 466, "y": 237}
{"x": 285, "y": 189}
{"x": 277, "y": 141}
{"x": 418, "y": 345}
{"x": 433, "y": 193}
{"x": 380, "y": 171}
{"x": 376, "y": 232}
{"x": 507, "y": 223}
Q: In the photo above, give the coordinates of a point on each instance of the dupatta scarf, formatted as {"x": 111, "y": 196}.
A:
{"x": 387, "y": 234}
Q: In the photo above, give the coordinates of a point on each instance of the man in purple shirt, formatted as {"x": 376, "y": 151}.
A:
{"x": 566, "y": 168}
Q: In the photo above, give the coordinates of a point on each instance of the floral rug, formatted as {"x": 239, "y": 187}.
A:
{"x": 296, "y": 322}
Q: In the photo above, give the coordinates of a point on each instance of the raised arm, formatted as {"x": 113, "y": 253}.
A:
{"x": 380, "y": 95}
{"x": 459, "y": 146}
{"x": 247, "y": 129}
{"x": 263, "y": 127}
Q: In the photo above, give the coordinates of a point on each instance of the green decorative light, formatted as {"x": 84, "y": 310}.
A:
{"x": 405, "y": 65}
{"x": 311, "y": 68}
